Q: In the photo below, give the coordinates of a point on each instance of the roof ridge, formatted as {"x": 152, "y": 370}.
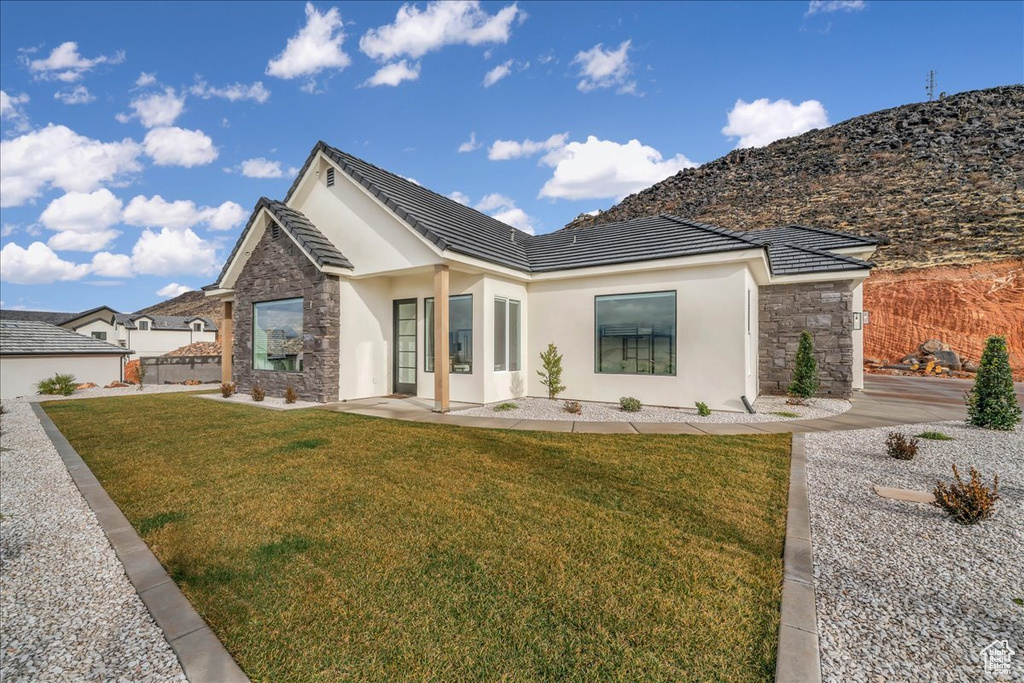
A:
{"x": 825, "y": 252}
{"x": 711, "y": 228}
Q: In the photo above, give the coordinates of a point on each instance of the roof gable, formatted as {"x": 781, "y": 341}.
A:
{"x": 35, "y": 338}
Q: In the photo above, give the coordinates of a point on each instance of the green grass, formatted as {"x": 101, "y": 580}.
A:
{"x": 935, "y": 436}
{"x": 786, "y": 413}
{"x": 323, "y": 547}
{"x": 502, "y": 407}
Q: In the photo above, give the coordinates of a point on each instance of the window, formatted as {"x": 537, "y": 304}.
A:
{"x": 506, "y": 334}
{"x": 197, "y": 327}
{"x": 635, "y": 334}
{"x": 460, "y": 334}
{"x": 102, "y": 336}
{"x": 330, "y": 177}
{"x": 144, "y": 326}
{"x": 277, "y": 335}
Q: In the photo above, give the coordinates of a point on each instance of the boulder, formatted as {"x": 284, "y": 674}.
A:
{"x": 909, "y": 358}
{"x": 86, "y": 385}
{"x": 969, "y": 365}
{"x": 931, "y": 346}
{"x": 115, "y": 385}
{"x": 948, "y": 359}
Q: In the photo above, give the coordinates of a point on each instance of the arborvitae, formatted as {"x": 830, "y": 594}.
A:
{"x": 992, "y": 402}
{"x": 805, "y": 374}
{"x": 551, "y": 375}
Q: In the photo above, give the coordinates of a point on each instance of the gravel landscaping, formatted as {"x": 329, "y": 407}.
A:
{"x": 767, "y": 407}
{"x": 68, "y": 609}
{"x": 270, "y": 402}
{"x": 904, "y": 593}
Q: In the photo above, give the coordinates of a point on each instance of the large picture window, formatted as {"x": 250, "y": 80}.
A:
{"x": 460, "y": 334}
{"x": 277, "y": 335}
{"x": 506, "y": 334}
{"x": 636, "y": 334}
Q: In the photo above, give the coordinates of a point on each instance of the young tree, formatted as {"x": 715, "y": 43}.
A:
{"x": 551, "y": 375}
{"x": 143, "y": 370}
{"x": 805, "y": 374}
{"x": 991, "y": 402}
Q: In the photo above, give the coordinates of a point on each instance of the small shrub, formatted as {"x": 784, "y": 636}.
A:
{"x": 551, "y": 375}
{"x": 290, "y": 395}
{"x": 805, "y": 374}
{"x": 142, "y": 372}
{"x": 992, "y": 402}
{"x": 702, "y": 409}
{"x": 935, "y": 436}
{"x": 502, "y": 407}
{"x": 900, "y": 447}
{"x": 227, "y": 389}
{"x": 258, "y": 393}
{"x": 786, "y": 413}
{"x": 967, "y": 503}
{"x": 58, "y": 385}
{"x": 630, "y": 404}
{"x": 573, "y": 407}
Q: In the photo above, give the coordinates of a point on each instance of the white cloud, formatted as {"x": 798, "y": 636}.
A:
{"x": 66, "y": 64}
{"x": 59, "y": 157}
{"x": 460, "y": 197}
{"x": 105, "y": 264}
{"x": 497, "y": 73}
{"x": 11, "y": 110}
{"x": 504, "y": 209}
{"x": 181, "y": 214}
{"x": 261, "y": 168}
{"x": 470, "y": 145}
{"x": 602, "y": 168}
{"x": 760, "y": 122}
{"x": 172, "y": 290}
{"x": 393, "y": 74}
{"x": 503, "y": 150}
{"x": 232, "y": 93}
{"x": 172, "y": 146}
{"x": 172, "y": 252}
{"x": 82, "y": 220}
{"x": 145, "y": 79}
{"x": 76, "y": 95}
{"x": 829, "y": 6}
{"x": 600, "y": 68}
{"x": 415, "y": 31}
{"x": 316, "y": 47}
{"x": 37, "y": 265}
{"x": 158, "y": 109}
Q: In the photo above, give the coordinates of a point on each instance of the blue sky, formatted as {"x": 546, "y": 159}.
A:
{"x": 138, "y": 136}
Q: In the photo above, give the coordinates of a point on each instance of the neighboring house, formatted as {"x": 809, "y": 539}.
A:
{"x": 344, "y": 289}
{"x": 31, "y": 350}
{"x": 148, "y": 335}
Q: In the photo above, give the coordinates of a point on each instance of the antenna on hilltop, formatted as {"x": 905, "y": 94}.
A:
{"x": 930, "y": 85}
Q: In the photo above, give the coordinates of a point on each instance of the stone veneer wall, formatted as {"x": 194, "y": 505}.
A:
{"x": 825, "y": 309}
{"x": 277, "y": 269}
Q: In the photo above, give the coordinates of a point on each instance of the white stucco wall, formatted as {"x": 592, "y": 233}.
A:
{"x": 158, "y": 342}
{"x": 365, "y": 332}
{"x": 499, "y": 385}
{"x": 750, "y": 337}
{"x": 710, "y": 334}
{"x": 858, "y": 340}
{"x": 99, "y": 326}
{"x": 19, "y": 374}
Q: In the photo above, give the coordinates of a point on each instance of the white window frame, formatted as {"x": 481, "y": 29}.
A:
{"x": 507, "y": 360}
{"x": 197, "y": 327}
{"x": 142, "y": 323}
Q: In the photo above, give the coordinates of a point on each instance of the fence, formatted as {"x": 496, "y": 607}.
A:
{"x": 178, "y": 369}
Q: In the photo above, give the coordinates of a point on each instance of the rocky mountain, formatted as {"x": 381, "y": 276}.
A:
{"x": 189, "y": 303}
{"x": 942, "y": 181}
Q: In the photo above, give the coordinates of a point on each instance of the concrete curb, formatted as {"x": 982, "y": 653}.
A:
{"x": 798, "y": 659}
{"x": 203, "y": 657}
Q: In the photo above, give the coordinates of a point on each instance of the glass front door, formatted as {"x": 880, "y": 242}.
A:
{"x": 404, "y": 362}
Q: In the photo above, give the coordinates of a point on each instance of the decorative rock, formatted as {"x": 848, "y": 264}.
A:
{"x": 948, "y": 359}
{"x": 931, "y": 346}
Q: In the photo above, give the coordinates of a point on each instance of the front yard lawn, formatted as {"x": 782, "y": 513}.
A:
{"x": 322, "y": 546}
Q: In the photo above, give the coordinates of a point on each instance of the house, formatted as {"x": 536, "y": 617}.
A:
{"x": 345, "y": 288}
{"x": 149, "y": 335}
{"x": 32, "y": 350}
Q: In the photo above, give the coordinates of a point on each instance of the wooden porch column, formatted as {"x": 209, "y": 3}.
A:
{"x": 227, "y": 343}
{"x": 440, "y": 333}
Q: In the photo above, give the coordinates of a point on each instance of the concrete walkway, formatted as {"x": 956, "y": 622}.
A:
{"x": 885, "y": 401}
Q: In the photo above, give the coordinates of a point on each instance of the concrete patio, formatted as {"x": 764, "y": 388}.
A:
{"x": 885, "y": 401}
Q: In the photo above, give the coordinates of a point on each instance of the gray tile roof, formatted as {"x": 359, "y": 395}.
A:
{"x": 323, "y": 251}
{"x": 452, "y": 226}
{"x": 51, "y": 317}
{"x": 640, "y": 239}
{"x": 163, "y": 322}
{"x": 31, "y": 337}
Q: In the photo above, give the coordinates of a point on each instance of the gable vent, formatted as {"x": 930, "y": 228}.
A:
{"x": 275, "y": 231}
{"x": 330, "y": 177}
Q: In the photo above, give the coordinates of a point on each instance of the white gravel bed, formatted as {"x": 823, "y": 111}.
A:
{"x": 100, "y": 392}
{"x": 69, "y": 612}
{"x": 903, "y": 592}
{"x": 767, "y": 408}
{"x": 270, "y": 402}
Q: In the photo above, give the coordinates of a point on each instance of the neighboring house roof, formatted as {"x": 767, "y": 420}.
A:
{"x": 640, "y": 239}
{"x": 35, "y": 338}
{"x": 791, "y": 250}
{"x": 51, "y": 317}
{"x": 162, "y": 322}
